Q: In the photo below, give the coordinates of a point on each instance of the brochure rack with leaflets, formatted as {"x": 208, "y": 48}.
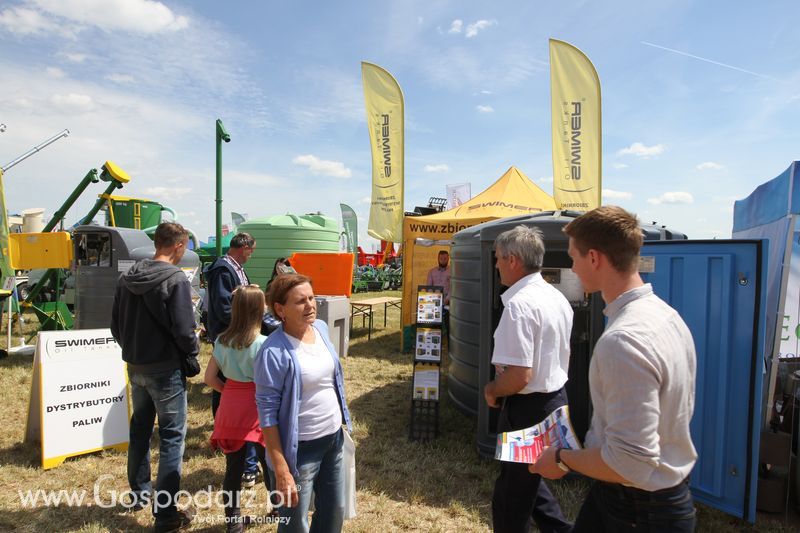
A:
{"x": 427, "y": 364}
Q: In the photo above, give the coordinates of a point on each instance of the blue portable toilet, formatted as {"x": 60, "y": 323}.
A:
{"x": 717, "y": 288}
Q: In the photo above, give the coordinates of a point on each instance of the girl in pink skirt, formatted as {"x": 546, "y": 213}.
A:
{"x": 236, "y": 421}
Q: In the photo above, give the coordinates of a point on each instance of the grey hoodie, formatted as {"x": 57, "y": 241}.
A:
{"x": 152, "y": 317}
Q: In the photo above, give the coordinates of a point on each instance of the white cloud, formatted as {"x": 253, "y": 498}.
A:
{"x": 75, "y": 57}
{"x": 250, "y": 178}
{"x": 484, "y": 109}
{"x": 167, "y": 193}
{"x": 677, "y": 197}
{"x": 436, "y": 168}
{"x": 546, "y": 179}
{"x": 23, "y": 103}
{"x": 640, "y": 150}
{"x": 709, "y": 165}
{"x": 54, "y": 72}
{"x": 620, "y": 165}
{"x": 24, "y": 21}
{"x": 473, "y": 29}
{"x": 611, "y": 194}
{"x": 455, "y": 26}
{"x": 486, "y": 92}
{"x": 138, "y": 16}
{"x": 365, "y": 200}
{"x": 72, "y": 102}
{"x": 120, "y": 78}
{"x": 35, "y": 106}
{"x": 322, "y": 167}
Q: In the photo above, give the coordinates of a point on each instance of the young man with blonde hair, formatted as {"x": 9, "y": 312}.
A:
{"x": 642, "y": 383}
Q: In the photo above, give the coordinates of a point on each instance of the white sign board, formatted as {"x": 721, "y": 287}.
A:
{"x": 79, "y": 395}
{"x": 789, "y": 325}
{"x": 429, "y": 345}
{"x": 426, "y": 381}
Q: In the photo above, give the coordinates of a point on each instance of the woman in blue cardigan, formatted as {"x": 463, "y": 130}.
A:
{"x": 301, "y": 409}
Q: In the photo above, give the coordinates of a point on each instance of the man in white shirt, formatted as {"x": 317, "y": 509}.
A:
{"x": 531, "y": 359}
{"x": 642, "y": 383}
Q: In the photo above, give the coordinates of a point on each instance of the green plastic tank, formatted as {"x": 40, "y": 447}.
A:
{"x": 135, "y": 213}
{"x": 282, "y": 235}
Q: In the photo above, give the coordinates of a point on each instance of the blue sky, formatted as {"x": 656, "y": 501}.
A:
{"x": 700, "y": 100}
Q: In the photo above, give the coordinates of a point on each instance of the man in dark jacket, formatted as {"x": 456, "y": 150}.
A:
{"x": 153, "y": 321}
{"x": 222, "y": 277}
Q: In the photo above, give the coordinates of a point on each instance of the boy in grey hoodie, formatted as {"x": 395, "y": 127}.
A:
{"x": 153, "y": 321}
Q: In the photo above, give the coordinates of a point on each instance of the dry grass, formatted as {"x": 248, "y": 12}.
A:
{"x": 402, "y": 486}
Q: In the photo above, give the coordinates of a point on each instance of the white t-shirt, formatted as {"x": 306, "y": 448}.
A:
{"x": 534, "y": 332}
{"x": 319, "y": 412}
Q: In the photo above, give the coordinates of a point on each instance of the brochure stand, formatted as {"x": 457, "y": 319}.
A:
{"x": 427, "y": 364}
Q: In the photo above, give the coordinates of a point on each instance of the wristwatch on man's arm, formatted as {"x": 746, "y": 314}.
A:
{"x": 562, "y": 465}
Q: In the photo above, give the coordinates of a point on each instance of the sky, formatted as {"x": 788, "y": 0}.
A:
{"x": 700, "y": 100}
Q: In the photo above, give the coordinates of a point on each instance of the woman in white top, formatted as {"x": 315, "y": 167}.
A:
{"x": 301, "y": 408}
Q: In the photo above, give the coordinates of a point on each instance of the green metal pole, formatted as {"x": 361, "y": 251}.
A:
{"x": 222, "y": 135}
{"x": 100, "y": 201}
{"x": 91, "y": 177}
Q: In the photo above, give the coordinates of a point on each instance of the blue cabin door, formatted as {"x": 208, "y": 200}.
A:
{"x": 716, "y": 287}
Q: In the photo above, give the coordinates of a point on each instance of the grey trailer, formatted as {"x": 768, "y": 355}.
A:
{"x": 102, "y": 255}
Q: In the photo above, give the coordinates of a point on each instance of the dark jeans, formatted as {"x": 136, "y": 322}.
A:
{"x": 520, "y": 496}
{"x": 613, "y": 508}
{"x": 234, "y": 468}
{"x": 161, "y": 395}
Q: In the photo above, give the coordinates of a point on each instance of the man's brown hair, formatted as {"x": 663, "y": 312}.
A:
{"x": 169, "y": 234}
{"x": 611, "y": 230}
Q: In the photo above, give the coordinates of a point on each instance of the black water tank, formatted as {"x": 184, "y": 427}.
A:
{"x": 476, "y": 307}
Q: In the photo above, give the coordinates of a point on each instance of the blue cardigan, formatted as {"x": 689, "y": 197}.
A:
{"x": 279, "y": 389}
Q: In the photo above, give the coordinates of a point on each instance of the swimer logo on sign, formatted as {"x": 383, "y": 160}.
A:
{"x": 386, "y": 147}
{"x": 62, "y": 347}
{"x": 575, "y": 144}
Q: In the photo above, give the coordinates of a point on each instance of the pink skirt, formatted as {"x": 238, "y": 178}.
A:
{"x": 237, "y": 417}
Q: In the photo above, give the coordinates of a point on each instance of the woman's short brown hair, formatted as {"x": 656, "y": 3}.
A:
{"x": 611, "y": 230}
{"x": 281, "y": 286}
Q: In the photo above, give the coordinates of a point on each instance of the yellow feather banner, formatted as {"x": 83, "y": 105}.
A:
{"x": 576, "y": 116}
{"x": 384, "y": 102}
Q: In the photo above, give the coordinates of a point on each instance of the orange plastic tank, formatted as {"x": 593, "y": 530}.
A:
{"x": 331, "y": 273}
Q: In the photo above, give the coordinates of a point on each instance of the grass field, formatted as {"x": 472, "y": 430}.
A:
{"x": 402, "y": 486}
